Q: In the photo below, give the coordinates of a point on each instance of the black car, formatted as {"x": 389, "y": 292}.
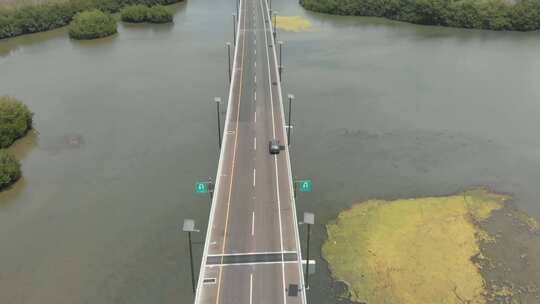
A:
{"x": 273, "y": 146}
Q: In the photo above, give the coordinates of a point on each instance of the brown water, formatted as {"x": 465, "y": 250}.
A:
{"x": 127, "y": 124}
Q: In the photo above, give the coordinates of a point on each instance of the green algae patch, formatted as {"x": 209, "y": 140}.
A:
{"x": 412, "y": 250}
{"x": 293, "y": 23}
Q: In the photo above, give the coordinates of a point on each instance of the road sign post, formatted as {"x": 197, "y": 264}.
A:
{"x": 210, "y": 187}
{"x": 201, "y": 187}
{"x": 205, "y": 186}
{"x": 305, "y": 185}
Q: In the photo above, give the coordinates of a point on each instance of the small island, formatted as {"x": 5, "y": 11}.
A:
{"x": 15, "y": 122}
{"x": 500, "y": 15}
{"x": 150, "y": 14}
{"x": 412, "y": 250}
{"x": 92, "y": 25}
{"x": 10, "y": 170}
{"x": 31, "y": 17}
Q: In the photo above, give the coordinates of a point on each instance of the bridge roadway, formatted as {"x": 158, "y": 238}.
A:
{"x": 252, "y": 248}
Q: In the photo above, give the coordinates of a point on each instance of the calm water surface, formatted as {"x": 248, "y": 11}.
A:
{"x": 127, "y": 124}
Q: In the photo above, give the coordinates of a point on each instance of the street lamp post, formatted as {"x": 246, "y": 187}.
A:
{"x": 275, "y": 21}
{"x": 234, "y": 28}
{"x": 291, "y": 97}
{"x": 309, "y": 219}
{"x": 229, "y": 53}
{"x": 189, "y": 227}
{"x": 280, "y": 65}
{"x": 218, "y": 102}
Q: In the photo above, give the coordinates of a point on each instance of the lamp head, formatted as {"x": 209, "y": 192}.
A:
{"x": 309, "y": 218}
{"x": 189, "y": 225}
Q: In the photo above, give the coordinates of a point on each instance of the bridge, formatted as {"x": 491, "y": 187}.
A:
{"x": 252, "y": 247}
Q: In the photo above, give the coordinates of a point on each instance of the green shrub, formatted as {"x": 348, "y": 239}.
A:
{"x": 525, "y": 16}
{"x": 159, "y": 14}
{"x": 91, "y": 25}
{"x": 15, "y": 120}
{"x": 141, "y": 13}
{"x": 134, "y": 13}
{"x": 10, "y": 169}
{"x": 482, "y": 14}
{"x": 47, "y": 16}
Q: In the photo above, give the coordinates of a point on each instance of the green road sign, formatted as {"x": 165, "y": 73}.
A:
{"x": 202, "y": 187}
{"x": 305, "y": 185}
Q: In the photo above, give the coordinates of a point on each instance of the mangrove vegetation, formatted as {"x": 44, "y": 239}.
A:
{"x": 51, "y": 14}
{"x": 159, "y": 14}
{"x": 10, "y": 169}
{"x": 514, "y": 15}
{"x": 91, "y": 25}
{"x": 15, "y": 121}
{"x": 142, "y": 13}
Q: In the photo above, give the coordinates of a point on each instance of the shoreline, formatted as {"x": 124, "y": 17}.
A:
{"x": 493, "y": 15}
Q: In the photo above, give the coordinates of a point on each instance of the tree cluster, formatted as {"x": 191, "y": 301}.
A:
{"x": 91, "y": 25}
{"x": 42, "y": 17}
{"x": 480, "y": 14}
{"x": 15, "y": 121}
{"x": 142, "y": 13}
{"x": 10, "y": 170}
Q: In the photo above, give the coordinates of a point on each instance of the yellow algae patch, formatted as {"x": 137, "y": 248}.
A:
{"x": 530, "y": 222}
{"x": 293, "y": 23}
{"x": 412, "y": 250}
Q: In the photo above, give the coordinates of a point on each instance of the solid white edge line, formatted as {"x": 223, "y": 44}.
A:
{"x": 220, "y": 163}
{"x": 291, "y": 193}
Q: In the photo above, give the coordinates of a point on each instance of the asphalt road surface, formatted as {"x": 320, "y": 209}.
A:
{"x": 252, "y": 249}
